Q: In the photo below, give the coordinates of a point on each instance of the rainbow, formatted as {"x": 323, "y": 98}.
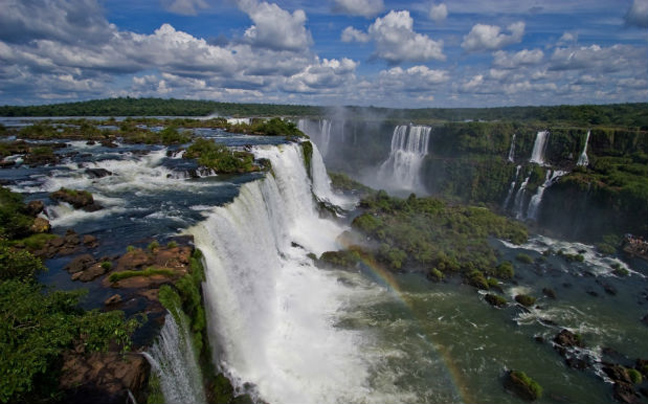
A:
{"x": 387, "y": 280}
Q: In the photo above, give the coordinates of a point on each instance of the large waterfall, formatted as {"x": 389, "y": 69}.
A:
{"x": 536, "y": 200}
{"x": 319, "y": 131}
{"x": 271, "y": 312}
{"x": 409, "y": 146}
{"x": 539, "y": 146}
{"x": 174, "y": 362}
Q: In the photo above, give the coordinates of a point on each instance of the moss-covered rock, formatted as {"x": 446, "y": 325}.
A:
{"x": 524, "y": 386}
{"x": 525, "y": 300}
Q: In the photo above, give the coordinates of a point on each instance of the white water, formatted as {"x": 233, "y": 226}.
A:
{"x": 322, "y": 183}
{"x": 583, "y": 160}
{"x": 173, "y": 360}
{"x": 539, "y": 146}
{"x": 511, "y": 188}
{"x": 518, "y": 204}
{"x": 536, "y": 200}
{"x": 319, "y": 131}
{"x": 271, "y": 312}
{"x": 409, "y": 146}
{"x": 511, "y": 155}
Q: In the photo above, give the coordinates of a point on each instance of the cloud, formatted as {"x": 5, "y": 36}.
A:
{"x": 351, "y": 34}
{"x": 637, "y": 15}
{"x": 488, "y": 37}
{"x": 524, "y": 57}
{"x": 184, "y": 7}
{"x": 615, "y": 58}
{"x": 322, "y": 76}
{"x": 275, "y": 28}
{"x": 438, "y": 12}
{"x": 568, "y": 38}
{"x": 364, "y": 8}
{"x": 396, "y": 41}
{"x": 414, "y": 79}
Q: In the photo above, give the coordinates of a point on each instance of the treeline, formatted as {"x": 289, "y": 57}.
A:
{"x": 613, "y": 115}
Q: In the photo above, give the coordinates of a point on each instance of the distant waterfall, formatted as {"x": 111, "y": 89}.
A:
{"x": 271, "y": 312}
{"x": 536, "y": 200}
{"x": 511, "y": 188}
{"x": 583, "y": 160}
{"x": 539, "y": 146}
{"x": 173, "y": 360}
{"x": 518, "y": 204}
{"x": 511, "y": 155}
{"x": 409, "y": 146}
{"x": 319, "y": 131}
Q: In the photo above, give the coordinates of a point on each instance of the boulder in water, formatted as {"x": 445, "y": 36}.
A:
{"x": 97, "y": 172}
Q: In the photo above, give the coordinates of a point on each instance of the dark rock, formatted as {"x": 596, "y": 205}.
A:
{"x": 80, "y": 263}
{"x": 495, "y": 300}
{"x": 91, "y": 143}
{"x": 568, "y": 339}
{"x": 41, "y": 225}
{"x": 97, "y": 172}
{"x": 33, "y": 208}
{"x": 625, "y": 393}
{"x": 114, "y": 299}
{"x": 92, "y": 273}
{"x": 522, "y": 385}
{"x": 90, "y": 241}
{"x": 550, "y": 293}
{"x": 525, "y": 300}
{"x": 609, "y": 289}
{"x": 78, "y": 199}
{"x": 104, "y": 377}
{"x": 109, "y": 143}
{"x": 617, "y": 373}
{"x": 7, "y": 163}
{"x": 592, "y": 293}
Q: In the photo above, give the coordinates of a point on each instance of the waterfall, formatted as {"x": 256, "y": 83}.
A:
{"x": 409, "y": 146}
{"x": 173, "y": 359}
{"x": 271, "y": 313}
{"x": 536, "y": 200}
{"x": 539, "y": 146}
{"x": 511, "y": 188}
{"x": 322, "y": 183}
{"x": 518, "y": 203}
{"x": 583, "y": 160}
{"x": 319, "y": 131}
{"x": 511, "y": 155}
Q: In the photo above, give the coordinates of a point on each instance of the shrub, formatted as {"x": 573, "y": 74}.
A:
{"x": 495, "y": 300}
{"x": 436, "y": 275}
{"x": 524, "y": 386}
{"x": 525, "y": 300}
{"x": 172, "y": 244}
{"x": 476, "y": 278}
{"x": 505, "y": 270}
{"x": 524, "y": 258}
{"x": 634, "y": 375}
{"x": 154, "y": 245}
{"x": 107, "y": 265}
{"x": 151, "y": 271}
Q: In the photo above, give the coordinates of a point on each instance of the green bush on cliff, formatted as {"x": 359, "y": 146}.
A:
{"x": 219, "y": 158}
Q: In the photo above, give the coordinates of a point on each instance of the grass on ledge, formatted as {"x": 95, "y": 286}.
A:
{"x": 151, "y": 271}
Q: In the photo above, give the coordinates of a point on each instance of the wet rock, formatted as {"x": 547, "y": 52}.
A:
{"x": 80, "y": 263}
{"x": 90, "y": 241}
{"x": 34, "y": 208}
{"x": 114, "y": 299}
{"x": 550, "y": 293}
{"x": 78, "y": 199}
{"x": 568, "y": 339}
{"x": 609, "y": 289}
{"x": 617, "y": 373}
{"x": 109, "y": 143}
{"x": 91, "y": 143}
{"x": 525, "y": 300}
{"x": 97, "y": 172}
{"x": 133, "y": 260}
{"x": 103, "y": 377}
{"x": 92, "y": 273}
{"x": 41, "y": 225}
{"x": 625, "y": 393}
{"x": 495, "y": 300}
{"x": 522, "y": 385}
{"x": 7, "y": 163}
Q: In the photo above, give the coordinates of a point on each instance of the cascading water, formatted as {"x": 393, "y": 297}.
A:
{"x": 270, "y": 310}
{"x": 511, "y": 188}
{"x": 319, "y": 131}
{"x": 583, "y": 160}
{"x": 173, "y": 360}
{"x": 518, "y": 204}
{"x": 536, "y": 200}
{"x": 409, "y": 146}
{"x": 322, "y": 183}
{"x": 539, "y": 146}
{"x": 511, "y": 155}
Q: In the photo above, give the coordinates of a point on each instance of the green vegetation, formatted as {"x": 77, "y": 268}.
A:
{"x": 495, "y": 300}
{"x": 505, "y": 270}
{"x": 342, "y": 182}
{"x": 148, "y": 272}
{"x": 219, "y": 158}
{"x": 525, "y": 300}
{"x": 14, "y": 222}
{"x": 307, "y": 149}
{"x": 524, "y": 386}
{"x": 634, "y": 375}
{"x": 426, "y": 233}
{"x": 524, "y": 258}
{"x": 618, "y": 270}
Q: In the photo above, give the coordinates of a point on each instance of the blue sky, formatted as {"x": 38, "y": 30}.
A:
{"x": 406, "y": 54}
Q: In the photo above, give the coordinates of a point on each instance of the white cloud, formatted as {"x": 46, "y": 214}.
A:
{"x": 438, "y": 12}
{"x": 489, "y": 37}
{"x": 416, "y": 78}
{"x": 615, "y": 58}
{"x": 326, "y": 76}
{"x": 184, "y": 7}
{"x": 637, "y": 15}
{"x": 275, "y": 28}
{"x": 524, "y": 57}
{"x": 568, "y": 38}
{"x": 472, "y": 84}
{"x": 351, "y": 34}
{"x": 365, "y": 8}
{"x": 397, "y": 42}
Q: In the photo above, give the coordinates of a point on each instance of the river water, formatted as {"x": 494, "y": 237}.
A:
{"x": 287, "y": 332}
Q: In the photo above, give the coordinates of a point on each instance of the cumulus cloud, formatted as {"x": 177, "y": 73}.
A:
{"x": 637, "y": 15}
{"x": 597, "y": 58}
{"x": 351, "y": 34}
{"x": 275, "y": 28}
{"x": 365, "y": 8}
{"x": 322, "y": 76}
{"x": 506, "y": 60}
{"x": 438, "y": 12}
{"x": 489, "y": 37}
{"x": 184, "y": 7}
{"x": 396, "y": 41}
{"x": 414, "y": 79}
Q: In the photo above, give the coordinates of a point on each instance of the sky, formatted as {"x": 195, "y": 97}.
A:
{"x": 398, "y": 54}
